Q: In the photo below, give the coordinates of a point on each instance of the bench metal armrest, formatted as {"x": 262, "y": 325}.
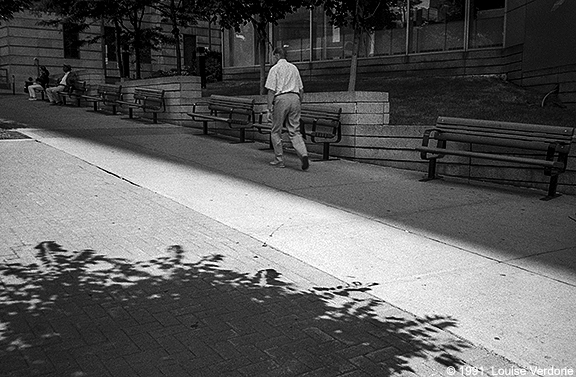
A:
{"x": 430, "y": 133}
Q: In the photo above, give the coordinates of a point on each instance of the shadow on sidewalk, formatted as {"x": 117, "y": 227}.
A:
{"x": 80, "y": 313}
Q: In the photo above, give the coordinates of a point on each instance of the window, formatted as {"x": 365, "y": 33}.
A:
{"x": 486, "y": 23}
{"x": 190, "y": 50}
{"x": 407, "y": 27}
{"x": 391, "y": 40}
{"x": 146, "y": 55}
{"x": 437, "y": 26}
{"x": 110, "y": 44}
{"x": 241, "y": 48}
{"x": 294, "y": 32}
{"x": 72, "y": 43}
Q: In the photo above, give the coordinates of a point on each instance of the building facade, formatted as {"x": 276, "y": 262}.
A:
{"x": 25, "y": 45}
{"x": 530, "y": 42}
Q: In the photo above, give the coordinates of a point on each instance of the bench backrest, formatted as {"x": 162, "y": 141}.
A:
{"x": 110, "y": 92}
{"x": 323, "y": 121}
{"x": 79, "y": 86}
{"x": 152, "y": 99}
{"x": 239, "y": 110}
{"x": 508, "y": 134}
{"x": 236, "y": 105}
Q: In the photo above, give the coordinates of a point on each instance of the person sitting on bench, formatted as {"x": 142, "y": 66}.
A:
{"x": 65, "y": 83}
{"x": 40, "y": 83}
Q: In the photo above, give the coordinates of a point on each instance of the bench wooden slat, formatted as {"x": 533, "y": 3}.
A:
{"x": 506, "y": 126}
{"x": 234, "y": 101}
{"x": 499, "y": 140}
{"x": 231, "y": 109}
{"x": 492, "y": 156}
{"x": 147, "y": 99}
{"x": 552, "y": 142}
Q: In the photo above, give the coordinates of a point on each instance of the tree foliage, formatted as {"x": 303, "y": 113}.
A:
{"x": 260, "y": 13}
{"x": 9, "y": 7}
{"x": 183, "y": 13}
{"x": 363, "y": 16}
{"x": 127, "y": 16}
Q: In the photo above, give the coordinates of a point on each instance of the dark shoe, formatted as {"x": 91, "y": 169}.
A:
{"x": 305, "y": 163}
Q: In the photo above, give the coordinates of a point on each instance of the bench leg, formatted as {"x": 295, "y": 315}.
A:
{"x": 326, "y": 151}
{"x": 130, "y": 114}
{"x": 552, "y": 188}
{"x": 95, "y": 106}
{"x": 205, "y": 127}
{"x": 242, "y": 135}
{"x": 155, "y": 117}
{"x": 431, "y": 170}
{"x": 113, "y": 109}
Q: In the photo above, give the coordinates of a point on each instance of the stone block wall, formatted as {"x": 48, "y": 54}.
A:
{"x": 364, "y": 114}
{"x": 180, "y": 93}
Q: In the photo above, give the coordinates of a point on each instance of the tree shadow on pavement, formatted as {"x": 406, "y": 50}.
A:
{"x": 80, "y": 313}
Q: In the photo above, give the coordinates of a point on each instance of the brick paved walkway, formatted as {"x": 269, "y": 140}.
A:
{"x": 104, "y": 278}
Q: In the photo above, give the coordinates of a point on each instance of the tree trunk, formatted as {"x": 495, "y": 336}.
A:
{"x": 354, "y": 60}
{"x": 137, "y": 52}
{"x": 176, "y": 33}
{"x": 118, "y": 36}
{"x": 137, "y": 27}
{"x": 262, "y": 39}
{"x": 262, "y": 66}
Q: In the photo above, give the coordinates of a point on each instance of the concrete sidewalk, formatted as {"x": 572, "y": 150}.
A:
{"x": 493, "y": 267}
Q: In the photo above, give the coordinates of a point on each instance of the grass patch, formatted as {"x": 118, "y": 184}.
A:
{"x": 420, "y": 100}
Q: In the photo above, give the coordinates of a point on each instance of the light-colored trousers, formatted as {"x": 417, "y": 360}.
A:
{"x": 286, "y": 112}
{"x": 31, "y": 90}
{"x": 53, "y": 95}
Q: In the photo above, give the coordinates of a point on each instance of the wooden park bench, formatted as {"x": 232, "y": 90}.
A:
{"x": 106, "y": 94}
{"x": 321, "y": 124}
{"x": 236, "y": 112}
{"x": 149, "y": 100}
{"x": 548, "y": 146}
{"x": 74, "y": 92}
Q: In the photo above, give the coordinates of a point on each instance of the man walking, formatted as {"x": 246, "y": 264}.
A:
{"x": 285, "y": 91}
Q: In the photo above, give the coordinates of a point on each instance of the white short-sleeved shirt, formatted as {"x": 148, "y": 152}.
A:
{"x": 283, "y": 78}
{"x": 63, "y": 81}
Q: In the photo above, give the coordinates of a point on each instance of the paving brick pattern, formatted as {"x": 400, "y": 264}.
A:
{"x": 104, "y": 278}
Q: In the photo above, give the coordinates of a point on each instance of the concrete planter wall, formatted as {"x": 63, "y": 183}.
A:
{"x": 180, "y": 93}
{"x": 364, "y": 114}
